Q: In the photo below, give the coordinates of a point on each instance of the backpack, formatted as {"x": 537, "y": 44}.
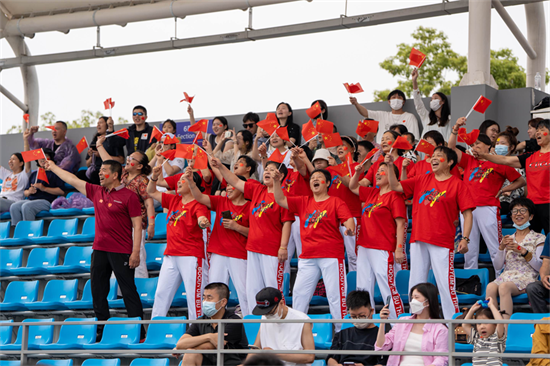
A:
{"x": 471, "y": 285}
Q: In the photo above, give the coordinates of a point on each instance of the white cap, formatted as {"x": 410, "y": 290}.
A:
{"x": 321, "y": 154}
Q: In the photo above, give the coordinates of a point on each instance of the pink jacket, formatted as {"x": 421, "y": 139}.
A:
{"x": 435, "y": 339}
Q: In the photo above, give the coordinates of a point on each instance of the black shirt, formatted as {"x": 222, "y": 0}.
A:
{"x": 54, "y": 182}
{"x": 55, "y": 147}
{"x": 294, "y": 132}
{"x": 138, "y": 140}
{"x": 114, "y": 146}
{"x": 355, "y": 339}
{"x": 236, "y": 339}
{"x": 531, "y": 145}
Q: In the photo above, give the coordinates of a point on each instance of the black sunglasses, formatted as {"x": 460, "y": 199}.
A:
{"x": 248, "y": 125}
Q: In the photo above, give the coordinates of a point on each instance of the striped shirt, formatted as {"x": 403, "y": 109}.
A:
{"x": 491, "y": 344}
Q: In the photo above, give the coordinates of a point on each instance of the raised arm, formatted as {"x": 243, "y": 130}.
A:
{"x": 152, "y": 185}
{"x": 392, "y": 179}
{"x": 191, "y": 114}
{"x": 512, "y": 161}
{"x": 67, "y": 177}
{"x": 454, "y": 134}
{"x": 362, "y": 110}
{"x": 228, "y": 175}
{"x": 101, "y": 150}
{"x": 418, "y": 104}
{"x": 354, "y": 181}
{"x": 26, "y": 147}
{"x": 470, "y": 315}
{"x": 195, "y": 191}
{"x": 280, "y": 197}
{"x": 299, "y": 157}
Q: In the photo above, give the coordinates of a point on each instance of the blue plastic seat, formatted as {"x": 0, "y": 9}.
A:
{"x": 521, "y": 299}
{"x": 233, "y": 297}
{"x": 522, "y": 341}
{"x": 77, "y": 260}
{"x": 162, "y": 336}
{"x": 10, "y": 259}
{"x": 150, "y": 362}
{"x": 101, "y": 362}
{"x": 18, "y": 295}
{"x": 155, "y": 255}
{"x": 485, "y": 257}
{"x": 57, "y": 232}
{"x": 74, "y": 336}
{"x": 180, "y": 298}
{"x": 402, "y": 284}
{"x": 24, "y": 231}
{"x": 87, "y": 235}
{"x": 286, "y": 289}
{"x": 352, "y": 281}
{"x": 56, "y": 294}
{"x": 55, "y": 362}
{"x": 377, "y": 295}
{"x": 5, "y": 216}
{"x": 67, "y": 211}
{"x": 40, "y": 259}
{"x": 463, "y": 347}
{"x": 117, "y": 336}
{"x": 38, "y": 335}
{"x": 319, "y": 363}
{"x": 88, "y": 211}
{"x": 508, "y": 231}
{"x": 251, "y": 329}
{"x": 5, "y": 229}
{"x": 5, "y": 332}
{"x": 9, "y": 363}
{"x": 146, "y": 288}
{"x": 86, "y": 302}
{"x": 322, "y": 332}
{"x": 483, "y": 274}
{"x": 160, "y": 227}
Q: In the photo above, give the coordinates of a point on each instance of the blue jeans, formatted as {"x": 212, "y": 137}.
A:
{"x": 26, "y": 210}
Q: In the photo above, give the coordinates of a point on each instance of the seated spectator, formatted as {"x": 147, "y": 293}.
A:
{"x": 531, "y": 144}
{"x": 486, "y": 338}
{"x": 14, "y": 182}
{"x": 491, "y": 129}
{"x": 204, "y": 336}
{"x": 66, "y": 154}
{"x": 263, "y": 360}
{"x": 539, "y": 291}
{"x": 140, "y": 132}
{"x": 519, "y": 255}
{"x": 506, "y": 145}
{"x": 40, "y": 194}
{"x": 541, "y": 343}
{"x": 425, "y": 337}
{"x": 396, "y": 100}
{"x": 361, "y": 337}
{"x": 282, "y": 336}
{"x": 168, "y": 126}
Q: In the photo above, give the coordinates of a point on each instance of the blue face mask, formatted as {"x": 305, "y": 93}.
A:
{"x": 501, "y": 149}
{"x": 209, "y": 308}
{"x": 522, "y": 227}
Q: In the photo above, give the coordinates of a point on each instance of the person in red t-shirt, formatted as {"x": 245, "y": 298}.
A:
{"x": 227, "y": 244}
{"x": 537, "y": 174}
{"x": 438, "y": 198}
{"x": 382, "y": 243}
{"x": 171, "y": 183}
{"x": 184, "y": 254}
{"x": 485, "y": 180}
{"x": 323, "y": 253}
{"x": 267, "y": 245}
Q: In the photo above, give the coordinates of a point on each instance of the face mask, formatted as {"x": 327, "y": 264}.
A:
{"x": 274, "y": 316}
{"x": 396, "y": 104}
{"x": 522, "y": 227}
{"x": 416, "y": 306}
{"x": 435, "y": 104}
{"x": 501, "y": 149}
{"x": 209, "y": 308}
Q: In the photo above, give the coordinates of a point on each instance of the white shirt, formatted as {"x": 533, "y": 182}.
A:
{"x": 387, "y": 119}
{"x": 413, "y": 344}
{"x": 425, "y": 118}
{"x": 14, "y": 185}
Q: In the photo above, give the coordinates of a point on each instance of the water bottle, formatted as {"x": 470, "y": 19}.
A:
{"x": 538, "y": 80}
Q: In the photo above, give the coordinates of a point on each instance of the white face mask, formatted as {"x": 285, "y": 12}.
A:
{"x": 416, "y": 307}
{"x": 361, "y": 325}
{"x": 274, "y": 316}
{"x": 435, "y": 104}
{"x": 396, "y": 104}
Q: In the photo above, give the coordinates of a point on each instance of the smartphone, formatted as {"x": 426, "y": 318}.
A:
{"x": 228, "y": 134}
{"x": 226, "y": 215}
{"x": 349, "y": 363}
{"x": 251, "y": 346}
{"x": 93, "y": 146}
{"x": 388, "y": 300}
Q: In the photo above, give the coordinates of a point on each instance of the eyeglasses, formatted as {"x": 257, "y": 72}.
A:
{"x": 130, "y": 158}
{"x": 358, "y": 317}
{"x": 138, "y": 114}
{"x": 248, "y": 125}
{"x": 522, "y": 211}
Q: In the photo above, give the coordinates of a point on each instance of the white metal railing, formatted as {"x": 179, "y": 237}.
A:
{"x": 24, "y": 353}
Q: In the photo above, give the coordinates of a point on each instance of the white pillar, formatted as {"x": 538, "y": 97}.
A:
{"x": 536, "y": 35}
{"x": 479, "y": 44}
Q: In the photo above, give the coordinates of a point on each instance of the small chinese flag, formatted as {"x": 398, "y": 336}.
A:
{"x": 187, "y": 98}
{"x": 425, "y": 147}
{"x": 168, "y": 140}
{"x": 349, "y": 162}
{"x": 201, "y": 126}
{"x": 277, "y": 157}
{"x": 82, "y": 144}
{"x": 332, "y": 139}
{"x": 282, "y": 132}
{"x": 201, "y": 160}
{"x": 108, "y": 103}
{"x": 416, "y": 58}
{"x": 370, "y": 155}
{"x": 169, "y": 154}
{"x": 33, "y": 155}
{"x": 41, "y": 175}
{"x": 366, "y": 126}
{"x": 402, "y": 143}
{"x": 468, "y": 138}
{"x": 323, "y": 126}
{"x": 156, "y": 134}
{"x": 341, "y": 169}
{"x": 26, "y": 117}
{"x": 121, "y": 133}
{"x": 184, "y": 151}
{"x": 353, "y": 88}
{"x": 197, "y": 137}
{"x": 482, "y": 104}
{"x": 51, "y": 128}
{"x": 269, "y": 124}
{"x": 309, "y": 131}
{"x": 314, "y": 110}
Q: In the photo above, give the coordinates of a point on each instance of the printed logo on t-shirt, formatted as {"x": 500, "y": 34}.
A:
{"x": 371, "y": 207}
{"x": 431, "y": 196}
{"x": 538, "y": 165}
{"x": 234, "y": 217}
{"x": 261, "y": 208}
{"x": 336, "y": 181}
{"x": 287, "y": 184}
{"x": 175, "y": 216}
{"x": 315, "y": 218}
{"x": 480, "y": 174}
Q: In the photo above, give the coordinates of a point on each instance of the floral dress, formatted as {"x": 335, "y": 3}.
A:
{"x": 516, "y": 268}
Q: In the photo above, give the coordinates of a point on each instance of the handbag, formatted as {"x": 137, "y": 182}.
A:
{"x": 471, "y": 285}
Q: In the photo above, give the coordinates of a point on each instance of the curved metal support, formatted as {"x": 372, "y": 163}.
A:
{"x": 536, "y": 35}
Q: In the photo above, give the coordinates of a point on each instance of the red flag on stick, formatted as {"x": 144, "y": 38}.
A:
{"x": 282, "y": 132}
{"x": 324, "y": 126}
{"x": 402, "y": 143}
{"x": 82, "y": 144}
{"x": 468, "y": 138}
{"x": 341, "y": 169}
{"x": 201, "y": 160}
{"x": 425, "y": 147}
{"x": 156, "y": 134}
{"x": 51, "y": 128}
{"x": 121, "y": 133}
{"x": 370, "y": 155}
{"x": 41, "y": 174}
{"x": 33, "y": 155}
{"x": 108, "y": 103}
{"x": 416, "y": 58}
{"x": 197, "y": 137}
{"x": 366, "y": 126}
{"x": 168, "y": 140}
{"x": 269, "y": 124}
{"x": 184, "y": 151}
{"x": 309, "y": 131}
{"x": 201, "y": 126}
{"x": 277, "y": 157}
{"x": 187, "y": 98}
{"x": 26, "y": 117}
{"x": 481, "y": 105}
{"x": 314, "y": 110}
{"x": 353, "y": 88}
{"x": 169, "y": 154}
{"x": 332, "y": 139}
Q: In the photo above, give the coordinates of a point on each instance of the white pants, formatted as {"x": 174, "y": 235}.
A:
{"x": 486, "y": 221}
{"x": 173, "y": 271}
{"x": 263, "y": 271}
{"x": 333, "y": 272}
{"x": 441, "y": 261}
{"x": 294, "y": 243}
{"x": 349, "y": 243}
{"x": 141, "y": 270}
{"x": 378, "y": 266}
{"x": 222, "y": 267}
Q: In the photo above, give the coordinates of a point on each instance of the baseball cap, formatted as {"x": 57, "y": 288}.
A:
{"x": 321, "y": 154}
{"x": 266, "y": 300}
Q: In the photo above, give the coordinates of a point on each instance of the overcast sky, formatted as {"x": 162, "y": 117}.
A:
{"x": 234, "y": 78}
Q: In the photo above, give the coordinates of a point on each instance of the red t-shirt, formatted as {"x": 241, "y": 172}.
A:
{"x": 224, "y": 241}
{"x": 172, "y": 182}
{"x": 266, "y": 220}
{"x": 537, "y": 175}
{"x": 338, "y": 189}
{"x": 114, "y": 211}
{"x": 423, "y": 167}
{"x": 378, "y": 218}
{"x": 183, "y": 234}
{"x": 320, "y": 226}
{"x": 485, "y": 179}
{"x": 296, "y": 185}
{"x": 436, "y": 206}
{"x": 371, "y": 173}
